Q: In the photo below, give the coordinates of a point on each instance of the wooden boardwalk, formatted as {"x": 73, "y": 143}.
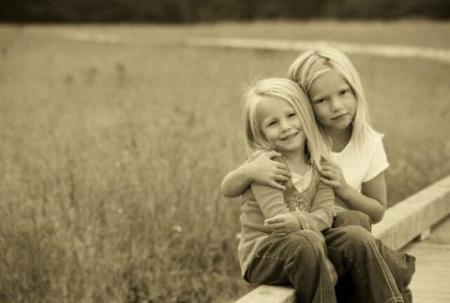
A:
{"x": 431, "y": 282}
{"x": 422, "y": 223}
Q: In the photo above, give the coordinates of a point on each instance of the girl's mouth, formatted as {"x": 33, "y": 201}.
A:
{"x": 288, "y": 137}
{"x": 339, "y": 117}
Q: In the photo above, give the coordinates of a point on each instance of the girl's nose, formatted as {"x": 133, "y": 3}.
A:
{"x": 284, "y": 125}
{"x": 335, "y": 104}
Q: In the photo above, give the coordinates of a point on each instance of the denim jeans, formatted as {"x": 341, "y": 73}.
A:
{"x": 355, "y": 255}
{"x": 297, "y": 259}
{"x": 402, "y": 265}
{"x": 352, "y": 217}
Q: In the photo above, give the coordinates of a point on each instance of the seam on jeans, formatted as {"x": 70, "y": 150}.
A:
{"x": 395, "y": 299}
{"x": 321, "y": 264}
{"x": 389, "y": 279}
{"x": 269, "y": 257}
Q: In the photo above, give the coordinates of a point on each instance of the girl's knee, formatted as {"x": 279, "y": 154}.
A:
{"x": 358, "y": 237}
{"x": 352, "y": 217}
{"x": 309, "y": 237}
{"x": 308, "y": 248}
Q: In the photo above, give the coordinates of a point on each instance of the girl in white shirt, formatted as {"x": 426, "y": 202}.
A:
{"x": 356, "y": 172}
{"x": 340, "y": 107}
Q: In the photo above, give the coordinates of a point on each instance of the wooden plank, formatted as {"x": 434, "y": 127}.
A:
{"x": 425, "y": 234}
{"x": 402, "y": 223}
{"x": 430, "y": 283}
{"x": 269, "y": 294}
{"x": 414, "y": 215}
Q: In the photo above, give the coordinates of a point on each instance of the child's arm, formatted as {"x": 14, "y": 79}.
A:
{"x": 372, "y": 201}
{"x": 319, "y": 218}
{"x": 322, "y": 208}
{"x": 287, "y": 222}
{"x": 260, "y": 168}
{"x": 278, "y": 217}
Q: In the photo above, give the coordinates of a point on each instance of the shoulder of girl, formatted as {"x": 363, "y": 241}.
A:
{"x": 373, "y": 137}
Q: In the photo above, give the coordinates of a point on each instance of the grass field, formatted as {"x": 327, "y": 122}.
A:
{"x": 111, "y": 155}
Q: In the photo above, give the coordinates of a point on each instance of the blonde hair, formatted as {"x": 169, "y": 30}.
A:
{"x": 303, "y": 72}
{"x": 286, "y": 91}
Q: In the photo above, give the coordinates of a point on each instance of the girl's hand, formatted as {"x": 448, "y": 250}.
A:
{"x": 263, "y": 170}
{"x": 331, "y": 175}
{"x": 283, "y": 223}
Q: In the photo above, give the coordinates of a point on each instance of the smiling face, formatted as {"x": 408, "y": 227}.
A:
{"x": 280, "y": 125}
{"x": 333, "y": 101}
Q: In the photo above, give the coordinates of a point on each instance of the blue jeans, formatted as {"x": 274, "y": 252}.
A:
{"x": 296, "y": 259}
{"x": 401, "y": 265}
{"x": 352, "y": 217}
{"x": 354, "y": 253}
{"x": 299, "y": 259}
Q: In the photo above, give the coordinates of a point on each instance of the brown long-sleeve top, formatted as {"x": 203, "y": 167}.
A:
{"x": 314, "y": 205}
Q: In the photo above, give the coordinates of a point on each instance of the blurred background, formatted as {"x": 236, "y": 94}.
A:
{"x": 116, "y": 130}
{"x": 190, "y": 11}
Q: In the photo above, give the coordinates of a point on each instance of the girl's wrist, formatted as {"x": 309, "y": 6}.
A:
{"x": 300, "y": 220}
{"x": 246, "y": 172}
{"x": 343, "y": 190}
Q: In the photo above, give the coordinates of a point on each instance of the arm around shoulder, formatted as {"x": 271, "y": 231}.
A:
{"x": 236, "y": 182}
{"x": 260, "y": 168}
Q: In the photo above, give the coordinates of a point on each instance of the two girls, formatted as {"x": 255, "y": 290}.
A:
{"x": 286, "y": 236}
{"x": 358, "y": 158}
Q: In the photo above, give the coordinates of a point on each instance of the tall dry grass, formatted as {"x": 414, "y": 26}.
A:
{"x": 111, "y": 158}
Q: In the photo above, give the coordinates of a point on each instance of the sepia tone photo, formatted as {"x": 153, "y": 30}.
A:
{"x": 184, "y": 151}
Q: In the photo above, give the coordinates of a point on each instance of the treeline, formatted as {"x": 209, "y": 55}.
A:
{"x": 189, "y": 11}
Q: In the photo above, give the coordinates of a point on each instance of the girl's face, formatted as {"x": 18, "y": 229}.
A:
{"x": 280, "y": 125}
{"x": 333, "y": 101}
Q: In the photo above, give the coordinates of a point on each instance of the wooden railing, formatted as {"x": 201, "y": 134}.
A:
{"x": 402, "y": 223}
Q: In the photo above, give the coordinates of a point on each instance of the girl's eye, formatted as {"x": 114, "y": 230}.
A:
{"x": 319, "y": 101}
{"x": 271, "y": 123}
{"x": 292, "y": 115}
{"x": 344, "y": 92}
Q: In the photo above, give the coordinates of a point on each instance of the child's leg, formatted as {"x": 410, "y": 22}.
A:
{"x": 352, "y": 217}
{"x": 353, "y": 250}
{"x": 345, "y": 289}
{"x": 298, "y": 259}
{"x": 402, "y": 265}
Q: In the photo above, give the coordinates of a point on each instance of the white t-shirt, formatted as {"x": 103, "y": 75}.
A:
{"x": 302, "y": 182}
{"x": 360, "y": 165}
